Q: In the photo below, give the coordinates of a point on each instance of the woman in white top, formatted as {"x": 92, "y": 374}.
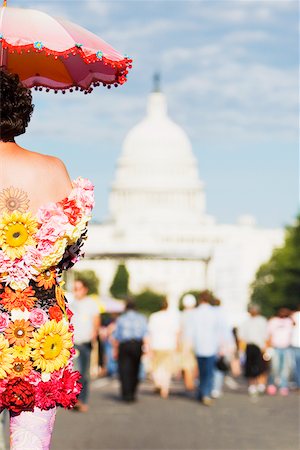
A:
{"x": 163, "y": 328}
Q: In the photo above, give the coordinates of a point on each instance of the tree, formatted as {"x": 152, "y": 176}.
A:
{"x": 90, "y": 278}
{"x": 120, "y": 284}
{"x": 277, "y": 282}
{"x": 148, "y": 302}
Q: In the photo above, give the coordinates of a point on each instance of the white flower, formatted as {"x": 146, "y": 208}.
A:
{"x": 18, "y": 314}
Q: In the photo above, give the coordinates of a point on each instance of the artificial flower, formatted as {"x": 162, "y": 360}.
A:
{"x": 50, "y": 346}
{"x": 46, "y": 394}
{"x": 4, "y": 321}
{"x": 47, "y": 279}
{"x": 18, "y": 396}
{"x": 18, "y": 299}
{"x": 18, "y": 314}
{"x": 55, "y": 313}
{"x": 71, "y": 210}
{"x": 19, "y": 332}
{"x": 69, "y": 389}
{"x": 6, "y": 357}
{"x": 38, "y": 317}
{"x": 20, "y": 368}
{"x": 21, "y": 352}
{"x": 17, "y": 232}
{"x": 56, "y": 254}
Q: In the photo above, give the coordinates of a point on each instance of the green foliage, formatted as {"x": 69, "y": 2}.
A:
{"x": 90, "y": 278}
{"x": 120, "y": 284}
{"x": 277, "y": 282}
{"x": 148, "y": 301}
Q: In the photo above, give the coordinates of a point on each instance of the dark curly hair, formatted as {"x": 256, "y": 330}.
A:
{"x": 15, "y": 106}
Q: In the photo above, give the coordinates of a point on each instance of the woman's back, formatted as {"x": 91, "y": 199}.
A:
{"x": 31, "y": 178}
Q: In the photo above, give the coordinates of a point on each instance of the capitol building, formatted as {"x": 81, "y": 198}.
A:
{"x": 158, "y": 226}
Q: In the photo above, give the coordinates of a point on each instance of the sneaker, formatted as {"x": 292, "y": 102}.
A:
{"x": 284, "y": 391}
{"x": 216, "y": 394}
{"x": 271, "y": 389}
{"x": 261, "y": 388}
{"x": 207, "y": 401}
{"x": 252, "y": 390}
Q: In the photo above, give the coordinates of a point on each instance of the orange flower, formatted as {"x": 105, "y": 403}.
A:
{"x": 60, "y": 298}
{"x": 18, "y": 299}
{"x": 55, "y": 313}
{"x": 20, "y": 368}
{"x": 19, "y": 332}
{"x": 47, "y": 279}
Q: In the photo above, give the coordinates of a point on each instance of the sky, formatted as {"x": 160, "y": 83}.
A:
{"x": 230, "y": 73}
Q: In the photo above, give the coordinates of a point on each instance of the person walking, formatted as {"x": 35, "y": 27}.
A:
{"x": 253, "y": 337}
{"x": 86, "y": 323}
{"x": 207, "y": 332}
{"x": 188, "y": 360}
{"x": 164, "y": 328}
{"x": 280, "y": 330}
{"x": 296, "y": 346}
{"x": 129, "y": 336}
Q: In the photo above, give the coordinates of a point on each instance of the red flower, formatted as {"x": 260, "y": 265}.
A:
{"x": 55, "y": 313}
{"x": 45, "y": 394}
{"x": 18, "y": 396}
{"x": 69, "y": 389}
{"x": 71, "y": 210}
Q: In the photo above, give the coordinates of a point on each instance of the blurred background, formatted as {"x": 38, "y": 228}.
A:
{"x": 195, "y": 165}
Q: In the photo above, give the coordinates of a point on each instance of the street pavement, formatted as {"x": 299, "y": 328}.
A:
{"x": 234, "y": 422}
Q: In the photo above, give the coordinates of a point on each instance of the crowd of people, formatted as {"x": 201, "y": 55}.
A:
{"x": 196, "y": 343}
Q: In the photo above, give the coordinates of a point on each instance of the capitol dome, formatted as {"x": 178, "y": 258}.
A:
{"x": 157, "y": 176}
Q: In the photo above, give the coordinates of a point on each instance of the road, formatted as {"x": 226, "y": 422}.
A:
{"x": 235, "y": 422}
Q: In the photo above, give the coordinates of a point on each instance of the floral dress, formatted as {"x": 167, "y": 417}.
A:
{"x": 36, "y": 336}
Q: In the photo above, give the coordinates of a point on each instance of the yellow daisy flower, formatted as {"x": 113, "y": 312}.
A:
{"x": 6, "y": 358}
{"x": 51, "y": 346}
{"x": 16, "y": 233}
{"x": 13, "y": 199}
{"x": 20, "y": 352}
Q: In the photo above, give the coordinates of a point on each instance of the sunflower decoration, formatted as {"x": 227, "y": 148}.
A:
{"x": 51, "y": 346}
{"x": 19, "y": 332}
{"x": 20, "y": 368}
{"x": 17, "y": 232}
{"x": 47, "y": 279}
{"x": 6, "y": 358}
{"x": 21, "y": 352}
{"x": 13, "y": 199}
{"x": 18, "y": 299}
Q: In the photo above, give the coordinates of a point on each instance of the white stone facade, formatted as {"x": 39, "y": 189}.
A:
{"x": 158, "y": 223}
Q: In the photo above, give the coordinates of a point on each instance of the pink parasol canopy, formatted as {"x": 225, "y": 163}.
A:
{"x": 57, "y": 54}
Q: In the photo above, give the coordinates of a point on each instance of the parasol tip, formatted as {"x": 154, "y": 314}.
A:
{"x": 4, "y": 2}
{"x": 156, "y": 82}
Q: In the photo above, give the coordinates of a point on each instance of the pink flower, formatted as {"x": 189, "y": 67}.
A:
{"x": 34, "y": 377}
{"x": 38, "y": 317}
{"x": 4, "y": 321}
{"x": 83, "y": 193}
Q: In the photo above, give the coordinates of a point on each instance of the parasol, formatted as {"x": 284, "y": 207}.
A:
{"x": 56, "y": 54}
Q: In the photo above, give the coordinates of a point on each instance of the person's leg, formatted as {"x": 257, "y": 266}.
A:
{"x": 125, "y": 371}
{"x": 136, "y": 362}
{"x": 83, "y": 364}
{"x": 271, "y": 390}
{"x": 285, "y": 364}
{"x": 218, "y": 382}
{"x": 32, "y": 430}
{"x": 296, "y": 351}
{"x": 210, "y": 368}
{"x": 202, "y": 379}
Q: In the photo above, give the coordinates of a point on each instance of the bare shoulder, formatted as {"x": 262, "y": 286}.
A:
{"x": 51, "y": 173}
